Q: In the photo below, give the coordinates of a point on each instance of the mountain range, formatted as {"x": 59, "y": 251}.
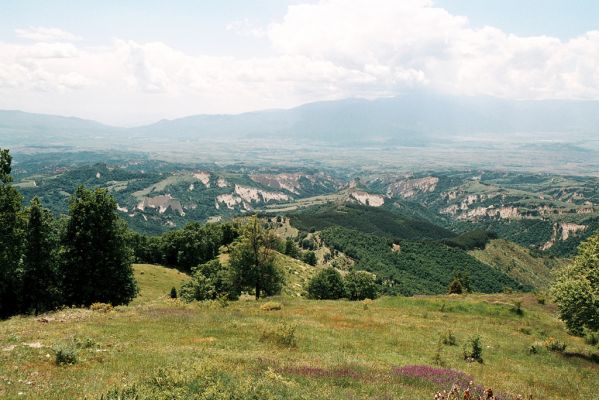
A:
{"x": 416, "y": 119}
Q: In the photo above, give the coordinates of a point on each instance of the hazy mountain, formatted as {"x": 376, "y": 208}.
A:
{"x": 411, "y": 119}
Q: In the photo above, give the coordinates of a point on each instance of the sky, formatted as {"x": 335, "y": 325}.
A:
{"x": 135, "y": 62}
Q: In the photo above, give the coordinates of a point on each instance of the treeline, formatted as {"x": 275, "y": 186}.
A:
{"x": 77, "y": 260}
{"x": 185, "y": 248}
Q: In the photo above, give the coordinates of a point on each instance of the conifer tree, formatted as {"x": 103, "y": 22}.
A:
{"x": 40, "y": 286}
{"x": 97, "y": 261}
{"x": 11, "y": 235}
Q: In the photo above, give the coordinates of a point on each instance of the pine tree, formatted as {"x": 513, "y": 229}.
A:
{"x": 97, "y": 261}
{"x": 11, "y": 239}
{"x": 40, "y": 286}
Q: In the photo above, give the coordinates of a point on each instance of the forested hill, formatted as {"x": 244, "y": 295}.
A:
{"x": 410, "y": 256}
{"x": 385, "y": 222}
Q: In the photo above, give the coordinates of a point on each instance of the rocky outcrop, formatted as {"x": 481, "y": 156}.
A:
{"x": 562, "y": 231}
{"x": 163, "y": 203}
{"x": 407, "y": 188}
{"x": 367, "y": 199}
{"x": 251, "y": 194}
{"x": 203, "y": 177}
{"x": 505, "y": 212}
{"x": 244, "y": 196}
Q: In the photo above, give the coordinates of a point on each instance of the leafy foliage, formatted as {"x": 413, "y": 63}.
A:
{"x": 360, "y": 285}
{"x": 211, "y": 281}
{"x": 576, "y": 290}
{"x": 327, "y": 284}
{"x": 252, "y": 260}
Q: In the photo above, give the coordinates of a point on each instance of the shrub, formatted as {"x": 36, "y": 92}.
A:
{"x": 310, "y": 258}
{"x": 552, "y": 344}
{"x": 455, "y": 287}
{"x": 360, "y": 285}
{"x": 449, "y": 339}
{"x": 210, "y": 281}
{"x": 101, "y": 307}
{"x": 517, "y": 308}
{"x": 65, "y": 355}
{"x": 282, "y": 335}
{"x": 271, "y": 306}
{"x": 173, "y": 294}
{"x": 591, "y": 338}
{"x": 84, "y": 343}
{"x": 473, "y": 350}
{"x": 540, "y": 298}
{"x": 534, "y": 349}
{"x": 327, "y": 284}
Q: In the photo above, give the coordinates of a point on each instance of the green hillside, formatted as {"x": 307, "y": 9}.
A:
{"x": 158, "y": 348}
{"x": 381, "y": 221}
{"x": 518, "y": 263}
{"x": 416, "y": 267}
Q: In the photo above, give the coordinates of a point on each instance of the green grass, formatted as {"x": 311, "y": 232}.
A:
{"x": 343, "y": 350}
{"x": 517, "y": 262}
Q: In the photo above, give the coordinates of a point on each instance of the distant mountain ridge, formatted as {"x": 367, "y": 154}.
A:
{"x": 411, "y": 119}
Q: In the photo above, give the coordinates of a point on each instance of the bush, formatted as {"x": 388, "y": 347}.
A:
{"x": 473, "y": 350}
{"x": 327, "y": 284}
{"x": 360, "y": 285}
{"x": 65, "y": 355}
{"x": 101, "y": 307}
{"x": 210, "y": 281}
{"x": 517, "y": 308}
{"x": 552, "y": 344}
{"x": 282, "y": 335}
{"x": 310, "y": 258}
{"x": 455, "y": 287}
{"x": 271, "y": 306}
{"x": 591, "y": 338}
{"x": 173, "y": 294}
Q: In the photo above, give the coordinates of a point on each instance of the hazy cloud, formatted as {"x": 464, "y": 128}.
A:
{"x": 43, "y": 34}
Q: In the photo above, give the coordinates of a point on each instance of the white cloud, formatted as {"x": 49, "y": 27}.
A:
{"x": 245, "y": 28}
{"x": 43, "y": 34}
{"x": 326, "y": 50}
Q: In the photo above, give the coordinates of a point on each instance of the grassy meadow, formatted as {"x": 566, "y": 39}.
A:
{"x": 160, "y": 348}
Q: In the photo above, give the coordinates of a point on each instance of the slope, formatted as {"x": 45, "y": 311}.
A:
{"x": 518, "y": 262}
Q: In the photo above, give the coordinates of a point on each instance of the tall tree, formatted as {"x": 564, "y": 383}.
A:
{"x": 11, "y": 235}
{"x": 252, "y": 259}
{"x": 40, "y": 285}
{"x": 97, "y": 261}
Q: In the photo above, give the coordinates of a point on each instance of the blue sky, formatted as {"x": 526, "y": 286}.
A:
{"x": 129, "y": 62}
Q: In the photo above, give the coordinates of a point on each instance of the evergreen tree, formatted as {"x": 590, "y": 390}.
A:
{"x": 11, "y": 239}
{"x": 97, "y": 261}
{"x": 40, "y": 286}
{"x": 252, "y": 259}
